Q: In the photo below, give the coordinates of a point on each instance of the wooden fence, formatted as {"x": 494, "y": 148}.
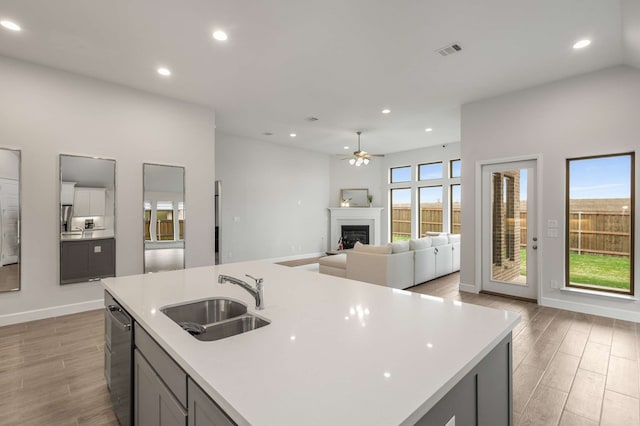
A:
{"x": 602, "y": 233}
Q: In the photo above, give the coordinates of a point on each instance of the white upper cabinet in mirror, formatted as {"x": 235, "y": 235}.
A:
{"x": 163, "y": 224}
{"x": 9, "y": 220}
{"x": 87, "y": 218}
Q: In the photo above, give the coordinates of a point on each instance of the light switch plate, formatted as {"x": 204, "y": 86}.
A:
{"x": 97, "y": 249}
{"x": 552, "y": 223}
{"x": 552, "y": 232}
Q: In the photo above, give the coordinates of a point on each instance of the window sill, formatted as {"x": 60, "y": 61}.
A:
{"x": 596, "y": 293}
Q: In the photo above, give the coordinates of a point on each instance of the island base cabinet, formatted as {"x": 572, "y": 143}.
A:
{"x": 483, "y": 397}
{"x": 154, "y": 405}
{"x": 202, "y": 410}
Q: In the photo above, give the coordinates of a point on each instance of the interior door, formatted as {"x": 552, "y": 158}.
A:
{"x": 509, "y": 234}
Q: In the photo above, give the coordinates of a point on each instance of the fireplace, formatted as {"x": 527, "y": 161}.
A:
{"x": 354, "y": 233}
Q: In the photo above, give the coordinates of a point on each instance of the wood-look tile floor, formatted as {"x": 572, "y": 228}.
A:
{"x": 51, "y": 372}
{"x": 569, "y": 368}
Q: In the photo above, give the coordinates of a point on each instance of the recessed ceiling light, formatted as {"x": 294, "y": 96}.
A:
{"x": 581, "y": 44}
{"x": 164, "y": 71}
{"x": 293, "y": 135}
{"x": 11, "y": 25}
{"x": 428, "y": 129}
{"x": 220, "y": 35}
{"x": 386, "y": 111}
{"x": 346, "y": 147}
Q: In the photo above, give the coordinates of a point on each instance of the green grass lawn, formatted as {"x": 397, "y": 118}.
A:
{"x": 605, "y": 271}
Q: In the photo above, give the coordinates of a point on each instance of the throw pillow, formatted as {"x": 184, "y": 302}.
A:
{"x": 400, "y": 247}
{"x": 439, "y": 241}
{"x": 365, "y": 248}
{"x": 420, "y": 243}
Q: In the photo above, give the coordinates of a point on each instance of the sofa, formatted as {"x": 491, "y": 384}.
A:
{"x": 398, "y": 265}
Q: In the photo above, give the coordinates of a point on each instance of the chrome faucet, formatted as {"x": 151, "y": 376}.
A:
{"x": 77, "y": 228}
{"x": 256, "y": 293}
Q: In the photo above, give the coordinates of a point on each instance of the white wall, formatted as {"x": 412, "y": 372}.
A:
{"x": 592, "y": 114}
{"x": 9, "y": 164}
{"x": 44, "y": 113}
{"x": 344, "y": 176}
{"x": 274, "y": 200}
{"x": 415, "y": 157}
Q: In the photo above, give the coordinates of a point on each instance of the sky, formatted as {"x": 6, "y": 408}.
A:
{"x": 605, "y": 177}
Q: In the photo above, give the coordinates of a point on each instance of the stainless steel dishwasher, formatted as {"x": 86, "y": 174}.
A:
{"x": 118, "y": 366}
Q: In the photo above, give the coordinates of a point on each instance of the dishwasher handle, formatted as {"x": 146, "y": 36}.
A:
{"x": 117, "y": 310}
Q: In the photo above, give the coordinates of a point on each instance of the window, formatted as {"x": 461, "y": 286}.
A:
{"x": 400, "y": 174}
{"x": 400, "y": 214}
{"x": 181, "y": 218}
{"x": 430, "y": 200}
{"x": 600, "y": 223}
{"x": 164, "y": 222}
{"x": 430, "y": 171}
{"x": 147, "y": 220}
{"x": 454, "y": 208}
{"x": 454, "y": 168}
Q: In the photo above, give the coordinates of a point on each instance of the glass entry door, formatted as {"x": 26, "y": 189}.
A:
{"x": 509, "y": 234}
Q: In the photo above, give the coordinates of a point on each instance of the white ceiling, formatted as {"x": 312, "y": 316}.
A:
{"x": 340, "y": 61}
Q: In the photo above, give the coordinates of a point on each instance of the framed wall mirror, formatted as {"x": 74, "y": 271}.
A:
{"x": 10, "y": 207}
{"x": 163, "y": 217}
{"x": 354, "y": 197}
{"x": 87, "y": 218}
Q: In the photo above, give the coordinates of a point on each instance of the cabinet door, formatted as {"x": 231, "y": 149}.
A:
{"x": 67, "y": 192}
{"x": 202, "y": 410}
{"x": 102, "y": 258}
{"x": 74, "y": 261}
{"x": 153, "y": 403}
{"x": 97, "y": 202}
{"x": 82, "y": 202}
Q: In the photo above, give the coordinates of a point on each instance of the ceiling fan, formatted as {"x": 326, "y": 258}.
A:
{"x": 360, "y": 157}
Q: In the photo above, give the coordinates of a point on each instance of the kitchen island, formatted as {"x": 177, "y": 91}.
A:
{"x": 336, "y": 351}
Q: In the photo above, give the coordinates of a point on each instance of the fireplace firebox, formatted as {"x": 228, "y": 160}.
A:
{"x": 354, "y": 233}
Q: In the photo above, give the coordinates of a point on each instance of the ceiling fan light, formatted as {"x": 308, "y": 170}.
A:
{"x": 352, "y": 161}
{"x": 366, "y": 161}
{"x": 359, "y": 162}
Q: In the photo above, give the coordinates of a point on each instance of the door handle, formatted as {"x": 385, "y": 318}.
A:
{"x": 535, "y": 238}
{"x": 535, "y": 247}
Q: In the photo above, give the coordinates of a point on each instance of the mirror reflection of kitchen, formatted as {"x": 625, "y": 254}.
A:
{"x": 10, "y": 220}
{"x": 87, "y": 218}
{"x": 163, "y": 226}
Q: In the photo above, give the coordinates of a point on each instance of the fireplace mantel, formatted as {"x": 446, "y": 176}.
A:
{"x": 355, "y": 216}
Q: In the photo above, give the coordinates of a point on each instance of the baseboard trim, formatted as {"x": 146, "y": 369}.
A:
{"x": 469, "y": 288}
{"x": 54, "y": 311}
{"x": 296, "y": 257}
{"x": 591, "y": 309}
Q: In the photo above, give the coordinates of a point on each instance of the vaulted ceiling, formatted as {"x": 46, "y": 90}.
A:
{"x": 342, "y": 62}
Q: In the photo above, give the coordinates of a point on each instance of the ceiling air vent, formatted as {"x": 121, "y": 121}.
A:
{"x": 312, "y": 119}
{"x": 450, "y": 49}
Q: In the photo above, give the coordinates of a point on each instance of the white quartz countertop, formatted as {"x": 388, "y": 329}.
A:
{"x": 337, "y": 352}
{"x": 95, "y": 234}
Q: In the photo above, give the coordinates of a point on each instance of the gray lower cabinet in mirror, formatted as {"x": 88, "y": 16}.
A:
{"x": 87, "y": 260}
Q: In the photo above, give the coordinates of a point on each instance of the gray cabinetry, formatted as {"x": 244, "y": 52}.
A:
{"x": 154, "y": 404}
{"x": 482, "y": 397}
{"x": 86, "y": 260}
{"x": 202, "y": 410}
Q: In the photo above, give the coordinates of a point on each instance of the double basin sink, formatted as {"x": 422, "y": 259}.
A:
{"x": 214, "y": 319}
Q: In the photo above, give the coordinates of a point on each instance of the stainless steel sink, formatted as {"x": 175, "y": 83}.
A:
{"x": 214, "y": 319}
{"x": 205, "y": 312}
{"x": 231, "y": 327}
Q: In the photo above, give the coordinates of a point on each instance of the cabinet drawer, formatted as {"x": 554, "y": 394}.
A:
{"x": 166, "y": 368}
